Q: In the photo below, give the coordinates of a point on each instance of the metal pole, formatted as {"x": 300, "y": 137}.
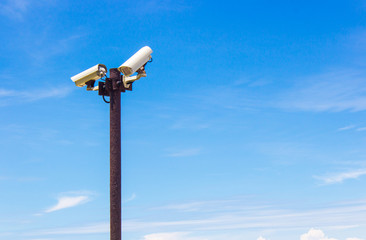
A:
{"x": 115, "y": 155}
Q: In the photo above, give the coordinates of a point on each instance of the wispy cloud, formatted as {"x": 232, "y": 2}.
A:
{"x": 8, "y": 97}
{"x": 312, "y": 234}
{"x": 228, "y": 97}
{"x": 204, "y": 206}
{"x": 14, "y": 9}
{"x": 41, "y": 239}
{"x": 190, "y": 123}
{"x": 235, "y": 218}
{"x": 18, "y": 9}
{"x": 89, "y": 229}
{"x": 329, "y": 91}
{"x": 67, "y": 200}
{"x": 340, "y": 177}
{"x": 50, "y": 49}
{"x": 349, "y": 127}
{"x": 361, "y": 129}
{"x": 133, "y": 197}
{"x": 172, "y": 236}
{"x": 333, "y": 91}
{"x": 158, "y": 6}
{"x": 193, "y": 206}
{"x": 30, "y": 179}
{"x": 22, "y": 179}
{"x": 184, "y": 153}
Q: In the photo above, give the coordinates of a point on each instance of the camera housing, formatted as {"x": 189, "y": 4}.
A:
{"x": 92, "y": 74}
{"x": 134, "y": 63}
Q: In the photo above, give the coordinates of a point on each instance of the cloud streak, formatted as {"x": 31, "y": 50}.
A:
{"x": 185, "y": 153}
{"x": 89, "y": 229}
{"x": 341, "y": 177}
{"x": 158, "y": 6}
{"x": 133, "y": 197}
{"x": 349, "y": 127}
{"x": 236, "y": 217}
{"x": 329, "y": 91}
{"x": 67, "y": 202}
{"x": 332, "y": 91}
{"x": 14, "y": 9}
{"x": 171, "y": 236}
{"x": 70, "y": 199}
{"x": 9, "y": 97}
{"x": 232, "y": 219}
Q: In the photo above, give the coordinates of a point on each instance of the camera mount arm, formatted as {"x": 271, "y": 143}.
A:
{"x": 128, "y": 80}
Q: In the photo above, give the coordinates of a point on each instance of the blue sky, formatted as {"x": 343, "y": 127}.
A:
{"x": 250, "y": 123}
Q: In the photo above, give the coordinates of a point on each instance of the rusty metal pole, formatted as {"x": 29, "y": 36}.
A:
{"x": 115, "y": 155}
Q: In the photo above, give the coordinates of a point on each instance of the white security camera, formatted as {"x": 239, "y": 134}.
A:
{"x": 89, "y": 76}
{"x": 137, "y": 61}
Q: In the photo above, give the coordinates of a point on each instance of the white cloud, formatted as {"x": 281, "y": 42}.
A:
{"x": 158, "y": 6}
{"x": 67, "y": 202}
{"x": 21, "y": 179}
{"x": 3, "y": 178}
{"x": 133, "y": 196}
{"x": 346, "y": 128}
{"x": 340, "y": 177}
{"x": 51, "y": 49}
{"x": 8, "y": 97}
{"x": 242, "y": 215}
{"x": 188, "y": 207}
{"x": 197, "y": 206}
{"x": 332, "y": 91}
{"x": 18, "y": 9}
{"x": 164, "y": 236}
{"x": 190, "y": 123}
{"x": 185, "y": 153}
{"x": 90, "y": 229}
{"x": 171, "y": 236}
{"x": 45, "y": 93}
{"x": 14, "y": 8}
{"x": 261, "y": 238}
{"x": 315, "y": 234}
{"x": 41, "y": 239}
{"x": 234, "y": 218}
{"x": 6, "y": 93}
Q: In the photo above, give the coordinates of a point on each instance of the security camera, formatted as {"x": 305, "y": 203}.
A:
{"x": 137, "y": 61}
{"x": 89, "y": 76}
